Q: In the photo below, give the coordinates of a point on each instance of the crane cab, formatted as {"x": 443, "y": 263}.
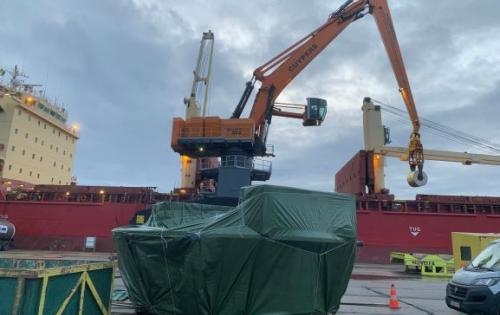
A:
{"x": 315, "y": 111}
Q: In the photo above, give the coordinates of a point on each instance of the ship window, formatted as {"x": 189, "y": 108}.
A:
{"x": 20, "y": 171}
{"x": 51, "y": 146}
{"x": 24, "y": 151}
{"x": 64, "y": 152}
{"x": 59, "y": 134}
{"x": 37, "y": 175}
{"x": 62, "y": 166}
{"x": 57, "y": 149}
{"x": 38, "y": 122}
{"x": 465, "y": 253}
{"x": 43, "y": 142}
{"x": 19, "y": 112}
{"x": 71, "y": 155}
{"x": 13, "y": 148}
{"x": 41, "y": 159}
{"x": 52, "y": 180}
{"x": 36, "y": 139}
{"x": 66, "y": 137}
{"x": 53, "y": 130}
{"x": 54, "y": 164}
{"x": 59, "y": 182}
{"x": 26, "y": 135}
{"x": 33, "y": 156}
{"x": 69, "y": 169}
{"x": 29, "y": 117}
{"x": 31, "y": 173}
{"x": 15, "y": 131}
{"x": 44, "y": 126}
{"x": 10, "y": 167}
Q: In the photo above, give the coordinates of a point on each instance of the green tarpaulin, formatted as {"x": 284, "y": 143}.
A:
{"x": 280, "y": 251}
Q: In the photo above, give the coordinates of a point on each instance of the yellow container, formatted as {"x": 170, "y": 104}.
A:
{"x": 466, "y": 246}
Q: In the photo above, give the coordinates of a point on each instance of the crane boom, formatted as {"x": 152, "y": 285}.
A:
{"x": 196, "y": 104}
{"x": 464, "y": 158}
{"x": 278, "y": 72}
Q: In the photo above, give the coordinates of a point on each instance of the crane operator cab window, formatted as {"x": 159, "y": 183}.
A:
{"x": 315, "y": 111}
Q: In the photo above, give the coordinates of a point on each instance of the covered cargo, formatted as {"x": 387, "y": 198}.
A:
{"x": 280, "y": 251}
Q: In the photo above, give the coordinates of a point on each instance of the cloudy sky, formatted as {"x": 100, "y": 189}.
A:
{"x": 122, "y": 69}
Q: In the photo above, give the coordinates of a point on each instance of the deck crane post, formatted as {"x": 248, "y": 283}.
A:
{"x": 375, "y": 139}
{"x": 238, "y": 140}
{"x": 196, "y": 105}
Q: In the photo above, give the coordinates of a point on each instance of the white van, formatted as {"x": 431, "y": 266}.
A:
{"x": 476, "y": 288}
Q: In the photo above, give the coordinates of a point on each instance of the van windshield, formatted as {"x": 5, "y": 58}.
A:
{"x": 489, "y": 258}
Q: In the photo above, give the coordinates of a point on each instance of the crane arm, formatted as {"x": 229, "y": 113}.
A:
{"x": 437, "y": 155}
{"x": 380, "y": 11}
{"x": 283, "y": 68}
{"x": 289, "y": 110}
{"x": 278, "y": 72}
{"x": 382, "y": 15}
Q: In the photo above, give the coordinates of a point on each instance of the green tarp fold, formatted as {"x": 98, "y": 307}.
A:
{"x": 280, "y": 251}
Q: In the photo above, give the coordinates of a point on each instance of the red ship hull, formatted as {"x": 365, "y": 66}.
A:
{"x": 65, "y": 225}
{"x": 383, "y": 232}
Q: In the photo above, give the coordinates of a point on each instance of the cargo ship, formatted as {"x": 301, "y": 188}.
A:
{"x": 66, "y": 217}
{"x": 50, "y": 211}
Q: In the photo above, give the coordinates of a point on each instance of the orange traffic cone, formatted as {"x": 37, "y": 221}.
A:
{"x": 393, "y": 300}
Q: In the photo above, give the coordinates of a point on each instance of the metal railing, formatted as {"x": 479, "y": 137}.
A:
{"x": 207, "y": 187}
{"x": 262, "y": 165}
{"x": 208, "y": 163}
{"x": 270, "y": 149}
{"x": 235, "y": 161}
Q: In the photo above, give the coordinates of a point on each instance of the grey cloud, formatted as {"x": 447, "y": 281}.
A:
{"x": 123, "y": 69}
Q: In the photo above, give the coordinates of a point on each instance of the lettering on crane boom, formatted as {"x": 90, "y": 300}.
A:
{"x": 302, "y": 57}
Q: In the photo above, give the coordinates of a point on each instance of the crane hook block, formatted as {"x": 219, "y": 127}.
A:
{"x": 414, "y": 180}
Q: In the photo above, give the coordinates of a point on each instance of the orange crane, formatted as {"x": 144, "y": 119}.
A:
{"x": 237, "y": 140}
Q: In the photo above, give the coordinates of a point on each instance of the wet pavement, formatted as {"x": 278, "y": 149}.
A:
{"x": 369, "y": 289}
{"x": 416, "y": 297}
